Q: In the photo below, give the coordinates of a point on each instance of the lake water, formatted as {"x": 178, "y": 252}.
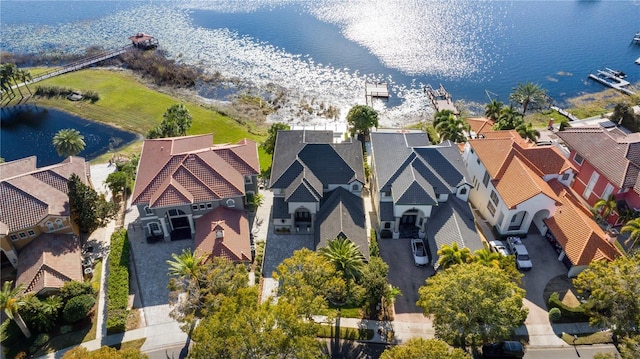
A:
{"x": 322, "y": 52}
{"x": 29, "y": 131}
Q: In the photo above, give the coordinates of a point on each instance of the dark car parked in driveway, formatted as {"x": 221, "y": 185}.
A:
{"x": 508, "y": 349}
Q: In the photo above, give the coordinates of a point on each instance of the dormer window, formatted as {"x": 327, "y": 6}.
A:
{"x": 247, "y": 179}
{"x": 219, "y": 233}
{"x": 217, "y": 228}
{"x": 148, "y": 211}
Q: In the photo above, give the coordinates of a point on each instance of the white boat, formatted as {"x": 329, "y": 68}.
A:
{"x": 638, "y": 61}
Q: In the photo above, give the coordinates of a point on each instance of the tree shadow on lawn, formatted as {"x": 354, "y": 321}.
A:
{"x": 563, "y": 285}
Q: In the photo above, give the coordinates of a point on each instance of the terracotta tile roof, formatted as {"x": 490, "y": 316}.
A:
{"x": 49, "y": 261}
{"x": 191, "y": 169}
{"x": 615, "y": 154}
{"x": 574, "y": 229}
{"x": 29, "y": 194}
{"x": 480, "y": 124}
{"x": 234, "y": 244}
{"x": 517, "y": 169}
{"x": 519, "y": 183}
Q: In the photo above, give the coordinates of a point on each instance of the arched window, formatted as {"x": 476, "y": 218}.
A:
{"x": 231, "y": 203}
{"x": 463, "y": 190}
{"x": 59, "y": 223}
{"x": 50, "y": 227}
{"x": 355, "y": 187}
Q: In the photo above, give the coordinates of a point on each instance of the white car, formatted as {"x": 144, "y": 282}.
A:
{"x": 499, "y": 247}
{"x": 419, "y": 251}
{"x": 523, "y": 261}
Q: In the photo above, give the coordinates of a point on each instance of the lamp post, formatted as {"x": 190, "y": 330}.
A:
{"x": 575, "y": 337}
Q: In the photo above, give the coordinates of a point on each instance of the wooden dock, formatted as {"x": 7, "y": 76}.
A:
{"x": 608, "y": 78}
{"x": 78, "y": 65}
{"x": 441, "y": 99}
{"x": 375, "y": 90}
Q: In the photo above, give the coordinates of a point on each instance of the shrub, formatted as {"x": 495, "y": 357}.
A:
{"x": 555, "y": 314}
{"x": 374, "y": 249}
{"x": 10, "y": 333}
{"x": 578, "y": 314}
{"x": 73, "y": 289}
{"x": 78, "y": 308}
{"x": 41, "y": 339}
{"x": 118, "y": 284}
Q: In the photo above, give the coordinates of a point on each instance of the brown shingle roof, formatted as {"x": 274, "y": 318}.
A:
{"x": 574, "y": 229}
{"x": 234, "y": 244}
{"x": 480, "y": 125}
{"x": 49, "y": 261}
{"x": 615, "y": 154}
{"x": 29, "y": 194}
{"x": 191, "y": 169}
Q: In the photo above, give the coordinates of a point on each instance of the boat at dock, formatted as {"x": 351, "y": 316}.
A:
{"x": 609, "y": 78}
{"x": 618, "y": 73}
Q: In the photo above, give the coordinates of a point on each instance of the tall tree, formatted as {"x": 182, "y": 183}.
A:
{"x": 452, "y": 128}
{"x": 68, "y": 142}
{"x": 10, "y": 302}
{"x": 197, "y": 286}
{"x": 269, "y": 143}
{"x": 633, "y": 228}
{"x": 492, "y": 110}
{"x": 244, "y": 328}
{"x": 613, "y": 290}
{"x": 451, "y": 255}
{"x": 309, "y": 280}
{"x": 345, "y": 256}
{"x": 624, "y": 115}
{"x": 526, "y": 131}
{"x": 418, "y": 348}
{"x": 360, "y": 119}
{"x": 529, "y": 95}
{"x": 176, "y": 121}
{"x": 472, "y": 304}
{"x": 90, "y": 209}
{"x": 509, "y": 119}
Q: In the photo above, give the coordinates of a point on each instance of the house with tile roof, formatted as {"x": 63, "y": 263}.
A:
{"x": 181, "y": 185}
{"x": 608, "y": 162}
{"x": 520, "y": 188}
{"x": 317, "y": 185}
{"x": 35, "y": 212}
{"x": 421, "y": 190}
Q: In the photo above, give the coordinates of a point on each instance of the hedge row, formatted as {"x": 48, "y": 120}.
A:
{"x": 374, "y": 250}
{"x": 118, "y": 285}
{"x": 578, "y": 314}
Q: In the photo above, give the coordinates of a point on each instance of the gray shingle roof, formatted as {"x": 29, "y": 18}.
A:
{"x": 342, "y": 213}
{"x": 321, "y": 162}
{"x": 386, "y": 211}
{"x": 280, "y": 208}
{"x": 613, "y": 153}
{"x": 416, "y": 170}
{"x": 450, "y": 222}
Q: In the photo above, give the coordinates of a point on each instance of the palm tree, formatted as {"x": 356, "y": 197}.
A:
{"x": 605, "y": 207}
{"x": 186, "y": 264}
{"x": 528, "y": 94}
{"x": 24, "y": 76}
{"x": 526, "y": 131}
{"x": 452, "y": 128}
{"x": 345, "y": 256}
{"x": 492, "y": 109}
{"x": 10, "y": 302}
{"x": 633, "y": 228}
{"x": 508, "y": 119}
{"x": 450, "y": 255}
{"x": 68, "y": 142}
{"x": 441, "y": 116}
{"x": 487, "y": 258}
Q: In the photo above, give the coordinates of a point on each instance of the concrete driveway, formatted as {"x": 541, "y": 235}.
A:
{"x": 545, "y": 267}
{"x": 406, "y": 276}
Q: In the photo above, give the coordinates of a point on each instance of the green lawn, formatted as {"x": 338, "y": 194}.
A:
{"x": 129, "y": 104}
